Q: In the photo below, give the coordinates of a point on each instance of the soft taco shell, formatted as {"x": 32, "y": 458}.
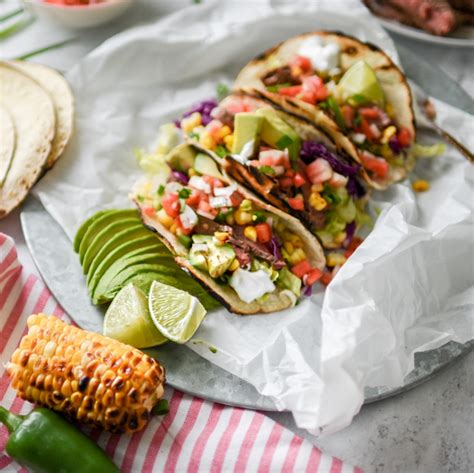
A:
{"x": 226, "y": 294}
{"x": 32, "y": 113}
{"x": 392, "y": 80}
{"x": 7, "y": 142}
{"x": 60, "y": 93}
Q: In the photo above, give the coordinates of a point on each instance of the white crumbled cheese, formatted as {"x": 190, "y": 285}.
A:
{"x": 251, "y": 285}
{"x": 200, "y": 184}
{"x": 246, "y": 153}
{"x": 324, "y": 57}
{"x": 188, "y": 218}
{"x": 173, "y": 187}
{"x": 225, "y": 191}
{"x": 218, "y": 202}
{"x": 358, "y": 137}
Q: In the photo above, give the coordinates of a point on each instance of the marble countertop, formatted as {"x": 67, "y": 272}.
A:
{"x": 428, "y": 429}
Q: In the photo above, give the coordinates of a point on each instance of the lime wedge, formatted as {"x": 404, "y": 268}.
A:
{"x": 127, "y": 319}
{"x": 176, "y": 314}
{"x": 360, "y": 79}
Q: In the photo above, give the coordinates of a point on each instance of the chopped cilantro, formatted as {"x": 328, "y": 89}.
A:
{"x": 337, "y": 112}
{"x": 276, "y": 88}
{"x": 184, "y": 193}
{"x": 284, "y": 142}
{"x": 222, "y": 91}
{"x": 357, "y": 99}
{"x": 140, "y": 198}
{"x": 357, "y": 120}
{"x": 221, "y": 151}
{"x": 161, "y": 190}
{"x": 259, "y": 217}
{"x": 194, "y": 136}
{"x": 330, "y": 195}
{"x": 267, "y": 170}
{"x": 323, "y": 105}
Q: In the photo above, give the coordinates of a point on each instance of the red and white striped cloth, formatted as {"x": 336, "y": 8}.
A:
{"x": 195, "y": 436}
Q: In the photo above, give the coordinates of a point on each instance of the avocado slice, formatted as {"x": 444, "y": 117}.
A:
{"x": 206, "y": 166}
{"x": 219, "y": 259}
{"x": 133, "y": 232}
{"x": 247, "y": 127}
{"x": 277, "y": 133}
{"x": 102, "y": 237}
{"x": 137, "y": 245}
{"x": 85, "y": 225}
{"x": 198, "y": 238}
{"x": 198, "y": 259}
{"x": 181, "y": 158}
{"x": 99, "y": 224}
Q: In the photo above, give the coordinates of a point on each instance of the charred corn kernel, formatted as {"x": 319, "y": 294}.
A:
{"x": 246, "y": 205}
{"x": 192, "y": 172}
{"x": 288, "y": 246}
{"x": 317, "y": 188}
{"x": 224, "y": 131}
{"x": 296, "y": 71}
{"x": 235, "y": 265}
{"x": 297, "y": 256}
{"x": 420, "y": 185}
{"x": 221, "y": 236}
{"x": 340, "y": 237}
{"x": 317, "y": 202}
{"x": 335, "y": 259}
{"x": 389, "y": 110}
{"x": 229, "y": 142}
{"x": 173, "y": 228}
{"x": 386, "y": 152}
{"x": 191, "y": 122}
{"x": 388, "y": 133}
{"x": 250, "y": 233}
{"x": 85, "y": 382}
{"x": 207, "y": 141}
{"x": 229, "y": 219}
{"x": 242, "y": 217}
{"x": 164, "y": 218}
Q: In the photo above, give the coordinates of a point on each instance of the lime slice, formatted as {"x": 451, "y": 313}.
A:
{"x": 176, "y": 314}
{"x": 360, "y": 79}
{"x": 128, "y": 320}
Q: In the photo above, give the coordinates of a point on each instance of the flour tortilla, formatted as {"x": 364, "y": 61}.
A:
{"x": 392, "y": 80}
{"x": 7, "y": 142}
{"x": 32, "y": 114}
{"x": 60, "y": 93}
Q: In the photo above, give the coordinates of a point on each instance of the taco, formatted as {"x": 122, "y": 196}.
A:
{"x": 232, "y": 243}
{"x": 350, "y": 89}
{"x": 288, "y": 162}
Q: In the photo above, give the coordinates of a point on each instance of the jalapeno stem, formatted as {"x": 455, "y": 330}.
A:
{"x": 10, "y": 420}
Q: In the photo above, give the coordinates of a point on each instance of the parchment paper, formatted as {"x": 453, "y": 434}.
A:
{"x": 408, "y": 288}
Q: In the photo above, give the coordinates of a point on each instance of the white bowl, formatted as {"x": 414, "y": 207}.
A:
{"x": 79, "y": 16}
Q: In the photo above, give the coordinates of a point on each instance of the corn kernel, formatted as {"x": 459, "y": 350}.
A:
{"x": 164, "y": 218}
{"x": 288, "y": 246}
{"x": 229, "y": 219}
{"x": 250, "y": 233}
{"x": 207, "y": 141}
{"x": 242, "y": 217}
{"x": 335, "y": 259}
{"x": 421, "y": 185}
{"x": 296, "y": 71}
{"x": 340, "y": 237}
{"x": 388, "y": 133}
{"x": 221, "y": 236}
{"x": 235, "y": 265}
{"x": 297, "y": 256}
{"x": 285, "y": 254}
{"x": 317, "y": 202}
{"x": 386, "y": 152}
{"x": 317, "y": 187}
{"x": 192, "y": 172}
{"x": 229, "y": 142}
{"x": 224, "y": 131}
{"x": 173, "y": 228}
{"x": 191, "y": 122}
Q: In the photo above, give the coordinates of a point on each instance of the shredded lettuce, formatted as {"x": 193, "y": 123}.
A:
{"x": 287, "y": 280}
{"x": 152, "y": 163}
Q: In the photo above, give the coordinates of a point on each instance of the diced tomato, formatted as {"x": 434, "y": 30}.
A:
{"x": 326, "y": 278}
{"x": 365, "y": 126}
{"x": 378, "y": 166}
{"x": 148, "y": 210}
{"x": 289, "y": 173}
{"x": 319, "y": 171}
{"x": 314, "y": 89}
{"x": 302, "y": 268}
{"x": 291, "y": 91}
{"x": 236, "y": 199}
{"x": 296, "y": 203}
{"x": 234, "y": 104}
{"x": 353, "y": 245}
{"x": 348, "y": 113}
{"x": 404, "y": 137}
{"x": 194, "y": 198}
{"x": 213, "y": 181}
{"x": 298, "y": 180}
{"x": 272, "y": 157}
{"x": 184, "y": 230}
{"x": 302, "y": 62}
{"x": 369, "y": 112}
{"x": 205, "y": 207}
{"x": 313, "y": 276}
{"x": 286, "y": 182}
{"x": 264, "y": 232}
{"x": 170, "y": 203}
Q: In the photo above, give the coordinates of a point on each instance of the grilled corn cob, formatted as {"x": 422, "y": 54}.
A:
{"x": 88, "y": 377}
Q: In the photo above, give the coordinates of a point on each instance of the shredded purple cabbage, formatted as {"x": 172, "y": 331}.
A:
{"x": 355, "y": 188}
{"x": 179, "y": 177}
{"x": 395, "y": 145}
{"x": 308, "y": 290}
{"x": 311, "y": 150}
{"x": 350, "y": 231}
{"x": 205, "y": 108}
{"x": 275, "y": 248}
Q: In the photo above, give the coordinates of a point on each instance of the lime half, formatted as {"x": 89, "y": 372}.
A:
{"x": 176, "y": 314}
{"x": 128, "y": 319}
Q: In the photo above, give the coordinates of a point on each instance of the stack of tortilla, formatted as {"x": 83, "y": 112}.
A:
{"x": 36, "y": 123}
